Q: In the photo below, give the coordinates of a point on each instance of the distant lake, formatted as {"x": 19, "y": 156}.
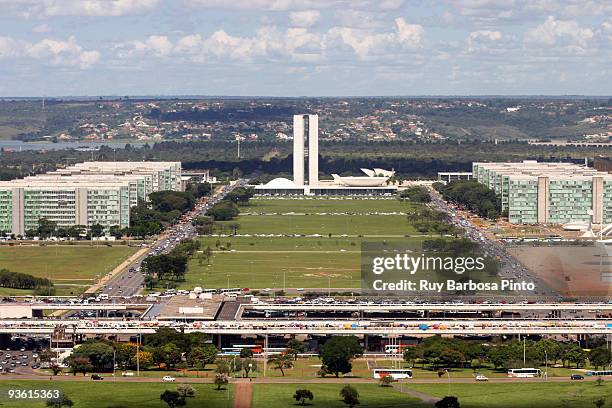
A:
{"x": 17, "y": 145}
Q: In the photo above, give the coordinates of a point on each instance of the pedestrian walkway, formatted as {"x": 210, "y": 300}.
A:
{"x": 243, "y": 394}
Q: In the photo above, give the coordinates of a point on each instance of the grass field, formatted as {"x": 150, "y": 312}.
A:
{"x": 376, "y": 225}
{"x": 328, "y": 396}
{"x": 299, "y": 262}
{"x": 536, "y": 394}
{"x": 262, "y": 262}
{"x": 114, "y": 395}
{"x": 325, "y": 205}
{"x": 70, "y": 267}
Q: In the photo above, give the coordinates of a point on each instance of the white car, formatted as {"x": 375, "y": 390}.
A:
{"x": 167, "y": 378}
{"x": 481, "y": 377}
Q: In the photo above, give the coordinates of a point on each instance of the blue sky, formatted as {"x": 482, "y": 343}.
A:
{"x": 305, "y": 47}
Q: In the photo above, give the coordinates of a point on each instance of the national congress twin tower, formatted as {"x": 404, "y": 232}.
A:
{"x": 84, "y": 194}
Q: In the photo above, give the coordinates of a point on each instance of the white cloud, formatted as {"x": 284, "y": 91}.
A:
{"x": 483, "y": 40}
{"x": 306, "y": 18}
{"x": 366, "y": 43}
{"x": 553, "y": 31}
{"x": 275, "y": 5}
{"x": 50, "y": 8}
{"x": 41, "y": 29}
{"x": 56, "y": 52}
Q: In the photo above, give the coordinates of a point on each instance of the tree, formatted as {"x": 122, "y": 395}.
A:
{"x": 200, "y": 356}
{"x": 302, "y": 395}
{"x": 96, "y": 230}
{"x": 600, "y": 357}
{"x": 573, "y": 353}
{"x": 56, "y": 369}
{"x": 281, "y": 362}
{"x": 350, "y": 396}
{"x": 246, "y": 352}
{"x": 448, "y": 402}
{"x": 172, "y": 354}
{"x": 173, "y": 399}
{"x": 185, "y": 390}
{"x": 80, "y": 364}
{"x": 46, "y": 227}
{"x": 142, "y": 358}
{"x": 295, "y": 347}
{"x": 337, "y": 352}
{"x": 248, "y": 365}
{"x": 410, "y": 354}
{"x": 600, "y": 402}
{"x": 100, "y": 354}
{"x": 386, "y": 380}
{"x": 221, "y": 380}
{"x": 61, "y": 401}
{"x": 223, "y": 211}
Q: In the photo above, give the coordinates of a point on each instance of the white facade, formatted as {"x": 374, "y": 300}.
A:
{"x": 300, "y": 152}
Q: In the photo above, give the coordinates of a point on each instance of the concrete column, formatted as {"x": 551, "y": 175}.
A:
{"x": 598, "y": 190}
{"x": 298, "y": 150}
{"x": 313, "y": 150}
{"x": 18, "y": 210}
{"x": 80, "y": 206}
{"x": 543, "y": 185}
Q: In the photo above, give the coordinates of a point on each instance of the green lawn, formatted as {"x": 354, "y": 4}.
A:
{"x": 325, "y": 205}
{"x": 328, "y": 396}
{"x": 258, "y": 262}
{"x": 377, "y": 225}
{"x": 105, "y": 394}
{"x": 536, "y": 394}
{"x": 70, "y": 267}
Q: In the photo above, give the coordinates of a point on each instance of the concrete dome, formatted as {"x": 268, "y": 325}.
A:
{"x": 280, "y": 182}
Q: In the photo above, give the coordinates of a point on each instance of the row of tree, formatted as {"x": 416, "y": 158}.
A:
{"x": 472, "y": 195}
{"x": 17, "y": 280}
{"x": 172, "y": 265}
{"x": 448, "y": 352}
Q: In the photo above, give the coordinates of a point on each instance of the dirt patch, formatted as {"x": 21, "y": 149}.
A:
{"x": 571, "y": 270}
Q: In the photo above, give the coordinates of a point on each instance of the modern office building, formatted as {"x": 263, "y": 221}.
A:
{"x": 556, "y": 193}
{"x": 85, "y": 194}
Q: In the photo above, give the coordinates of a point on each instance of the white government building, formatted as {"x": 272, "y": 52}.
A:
{"x": 306, "y": 173}
{"x": 84, "y": 194}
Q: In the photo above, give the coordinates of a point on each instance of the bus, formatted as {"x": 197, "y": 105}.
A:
{"x": 599, "y": 373}
{"x": 396, "y": 348}
{"x": 237, "y": 348}
{"x": 395, "y": 373}
{"x": 524, "y": 372}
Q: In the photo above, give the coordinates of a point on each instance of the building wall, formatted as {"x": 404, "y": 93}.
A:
{"x": 523, "y": 201}
{"x": 570, "y": 200}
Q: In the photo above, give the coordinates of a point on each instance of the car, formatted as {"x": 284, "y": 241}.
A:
{"x": 168, "y": 378}
{"x": 576, "y": 377}
{"x": 96, "y": 377}
{"x": 22, "y": 349}
{"x": 481, "y": 377}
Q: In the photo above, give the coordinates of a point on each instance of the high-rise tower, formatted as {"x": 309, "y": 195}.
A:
{"x": 305, "y": 147}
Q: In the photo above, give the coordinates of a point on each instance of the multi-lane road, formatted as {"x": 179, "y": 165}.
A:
{"x": 130, "y": 280}
{"x": 511, "y": 268}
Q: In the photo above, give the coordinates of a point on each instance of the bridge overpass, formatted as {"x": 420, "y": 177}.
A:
{"x": 457, "y": 307}
{"x": 314, "y": 327}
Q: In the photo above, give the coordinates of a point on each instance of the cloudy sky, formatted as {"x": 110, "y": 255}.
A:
{"x": 305, "y": 47}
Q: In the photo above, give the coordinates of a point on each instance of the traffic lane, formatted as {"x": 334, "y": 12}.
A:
{"x": 165, "y": 244}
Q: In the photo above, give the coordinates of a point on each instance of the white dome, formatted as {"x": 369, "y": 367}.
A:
{"x": 280, "y": 182}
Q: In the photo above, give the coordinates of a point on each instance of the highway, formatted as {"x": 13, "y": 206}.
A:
{"x": 130, "y": 281}
{"x": 511, "y": 267}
